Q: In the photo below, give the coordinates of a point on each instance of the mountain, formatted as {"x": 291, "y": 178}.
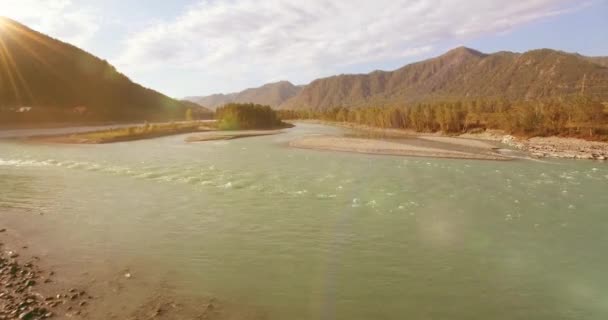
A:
{"x": 196, "y": 106}
{"x": 213, "y": 101}
{"x": 602, "y": 61}
{"x": 198, "y": 111}
{"x": 272, "y": 94}
{"x": 461, "y": 74}
{"x": 51, "y": 79}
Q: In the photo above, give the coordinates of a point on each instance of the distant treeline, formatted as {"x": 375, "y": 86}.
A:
{"x": 579, "y": 116}
{"x": 235, "y": 116}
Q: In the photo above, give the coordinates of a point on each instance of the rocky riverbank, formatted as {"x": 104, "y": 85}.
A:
{"x": 452, "y": 148}
{"x": 37, "y": 284}
{"x": 538, "y": 147}
{"x": 26, "y": 291}
{"x": 230, "y": 135}
{"x": 549, "y": 147}
{"x": 567, "y": 148}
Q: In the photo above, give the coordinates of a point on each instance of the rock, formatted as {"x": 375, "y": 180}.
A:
{"x": 26, "y": 315}
{"x": 508, "y": 139}
{"x": 2, "y": 230}
{"x": 127, "y": 275}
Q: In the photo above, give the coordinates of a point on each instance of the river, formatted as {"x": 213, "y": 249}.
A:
{"x": 304, "y": 234}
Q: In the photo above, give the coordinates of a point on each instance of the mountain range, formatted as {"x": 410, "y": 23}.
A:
{"x": 271, "y": 94}
{"x": 459, "y": 74}
{"x": 52, "y": 78}
{"x": 603, "y": 61}
{"x": 46, "y": 74}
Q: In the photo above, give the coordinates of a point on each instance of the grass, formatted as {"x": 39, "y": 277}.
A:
{"x": 145, "y": 131}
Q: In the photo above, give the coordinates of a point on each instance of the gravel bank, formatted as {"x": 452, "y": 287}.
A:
{"x": 373, "y": 146}
{"x": 22, "y": 282}
{"x": 549, "y": 147}
{"x": 230, "y": 135}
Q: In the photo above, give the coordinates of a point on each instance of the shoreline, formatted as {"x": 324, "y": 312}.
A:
{"x": 207, "y": 132}
{"x": 37, "y": 284}
{"x": 381, "y": 147}
{"x": 230, "y": 135}
{"x": 536, "y": 147}
{"x": 124, "y": 134}
{"x": 29, "y": 290}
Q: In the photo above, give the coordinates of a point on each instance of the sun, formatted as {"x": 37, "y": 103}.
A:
{"x": 4, "y": 25}
{"x": 3, "y": 22}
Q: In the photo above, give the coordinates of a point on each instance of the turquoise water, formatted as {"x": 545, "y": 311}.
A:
{"x": 304, "y": 234}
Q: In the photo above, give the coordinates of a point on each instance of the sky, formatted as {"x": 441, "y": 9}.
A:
{"x": 200, "y": 47}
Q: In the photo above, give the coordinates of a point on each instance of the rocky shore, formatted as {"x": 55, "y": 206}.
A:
{"x": 549, "y": 147}
{"x": 35, "y": 285}
{"x": 566, "y": 148}
{"x": 538, "y": 147}
{"x": 452, "y": 148}
{"x": 230, "y": 135}
{"x": 25, "y": 291}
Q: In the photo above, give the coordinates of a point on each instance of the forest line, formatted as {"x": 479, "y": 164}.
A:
{"x": 574, "y": 116}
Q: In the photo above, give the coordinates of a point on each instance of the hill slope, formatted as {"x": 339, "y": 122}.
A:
{"x": 461, "y": 74}
{"x": 603, "y": 61}
{"x": 54, "y": 77}
{"x": 272, "y": 94}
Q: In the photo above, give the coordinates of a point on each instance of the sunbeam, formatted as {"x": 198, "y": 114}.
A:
{"x": 8, "y": 64}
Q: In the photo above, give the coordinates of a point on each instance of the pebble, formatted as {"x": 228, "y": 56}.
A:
{"x": 19, "y": 299}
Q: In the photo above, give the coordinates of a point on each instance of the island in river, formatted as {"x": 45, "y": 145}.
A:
{"x": 488, "y": 145}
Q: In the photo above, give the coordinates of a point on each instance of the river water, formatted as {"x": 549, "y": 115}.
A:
{"x": 304, "y": 234}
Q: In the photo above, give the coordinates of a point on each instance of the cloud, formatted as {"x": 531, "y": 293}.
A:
{"x": 61, "y": 19}
{"x": 280, "y": 38}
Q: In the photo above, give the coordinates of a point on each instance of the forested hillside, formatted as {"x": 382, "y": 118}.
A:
{"x": 462, "y": 74}
{"x": 46, "y": 80}
{"x": 575, "y": 116}
{"x": 603, "y": 61}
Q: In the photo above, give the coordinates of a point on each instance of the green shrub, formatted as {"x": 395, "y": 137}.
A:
{"x": 236, "y": 116}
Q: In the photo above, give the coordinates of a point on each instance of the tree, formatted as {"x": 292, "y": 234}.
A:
{"x": 237, "y": 116}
